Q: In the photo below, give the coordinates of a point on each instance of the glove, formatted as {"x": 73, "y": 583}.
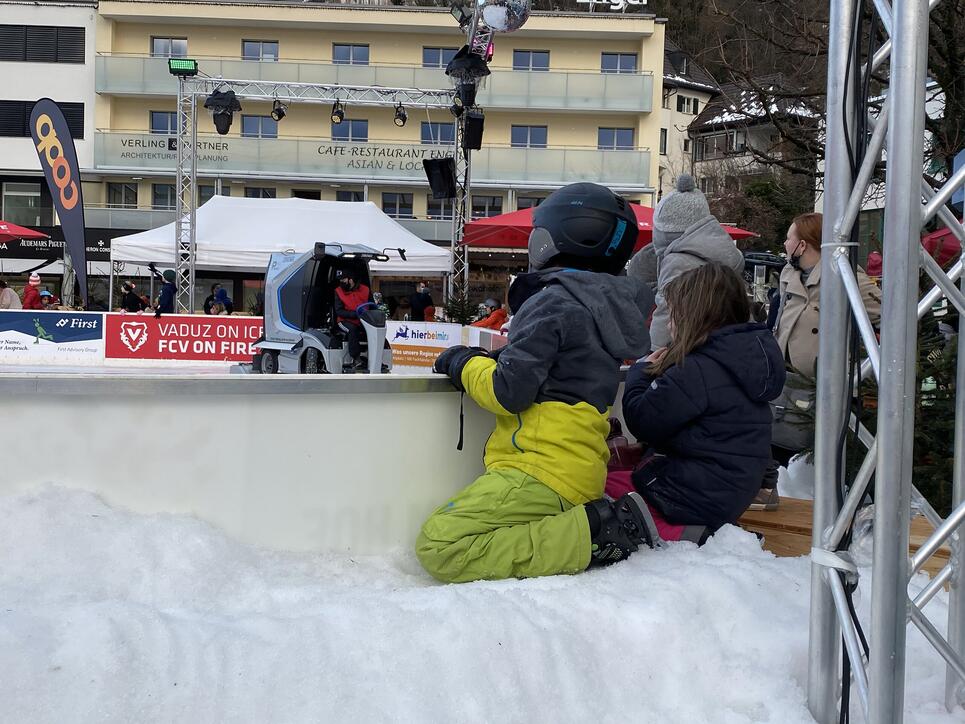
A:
{"x": 157, "y": 313}
{"x": 452, "y": 361}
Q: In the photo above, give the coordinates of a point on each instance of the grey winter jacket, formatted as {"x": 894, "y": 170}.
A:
{"x": 643, "y": 267}
{"x": 571, "y": 330}
{"x": 706, "y": 241}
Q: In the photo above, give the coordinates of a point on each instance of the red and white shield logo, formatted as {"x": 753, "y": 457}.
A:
{"x": 133, "y": 335}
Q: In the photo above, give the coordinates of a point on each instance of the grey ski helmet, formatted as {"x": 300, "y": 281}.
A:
{"x": 585, "y": 226}
{"x": 491, "y": 303}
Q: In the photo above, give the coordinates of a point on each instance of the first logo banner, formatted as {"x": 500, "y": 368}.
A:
{"x": 58, "y": 159}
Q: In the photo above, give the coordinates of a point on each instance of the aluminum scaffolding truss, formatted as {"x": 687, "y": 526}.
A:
{"x": 186, "y": 174}
{"x": 909, "y": 204}
{"x": 462, "y": 206}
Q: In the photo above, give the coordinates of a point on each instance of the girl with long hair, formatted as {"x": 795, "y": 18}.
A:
{"x": 701, "y": 405}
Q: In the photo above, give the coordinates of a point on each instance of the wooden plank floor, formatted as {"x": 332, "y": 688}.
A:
{"x": 787, "y": 531}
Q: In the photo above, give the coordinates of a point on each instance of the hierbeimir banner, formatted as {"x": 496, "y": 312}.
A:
{"x": 58, "y": 158}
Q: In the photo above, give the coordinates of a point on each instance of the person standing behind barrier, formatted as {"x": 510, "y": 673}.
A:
{"x": 419, "y": 301}
{"x": 209, "y": 300}
{"x": 165, "y": 304}
{"x": 222, "y": 298}
{"x": 797, "y": 333}
{"x": 9, "y": 299}
{"x": 31, "y": 293}
{"x": 686, "y": 236}
{"x": 701, "y": 405}
{"x": 130, "y": 302}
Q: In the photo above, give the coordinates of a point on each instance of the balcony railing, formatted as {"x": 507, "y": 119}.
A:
{"x": 325, "y": 160}
{"x": 550, "y": 90}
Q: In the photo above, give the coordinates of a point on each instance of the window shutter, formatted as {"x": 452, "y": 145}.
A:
{"x": 680, "y": 104}
{"x": 696, "y": 106}
{"x": 41, "y": 44}
{"x": 13, "y": 119}
{"x": 70, "y": 45}
{"x": 74, "y": 115}
{"x": 13, "y": 42}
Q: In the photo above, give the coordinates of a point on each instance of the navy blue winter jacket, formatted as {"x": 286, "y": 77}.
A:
{"x": 165, "y": 302}
{"x": 710, "y": 417}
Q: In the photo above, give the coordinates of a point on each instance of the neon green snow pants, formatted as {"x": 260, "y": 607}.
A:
{"x": 507, "y": 524}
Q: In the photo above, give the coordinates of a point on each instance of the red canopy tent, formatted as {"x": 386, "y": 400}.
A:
{"x": 10, "y": 231}
{"x": 942, "y": 245}
{"x": 511, "y": 231}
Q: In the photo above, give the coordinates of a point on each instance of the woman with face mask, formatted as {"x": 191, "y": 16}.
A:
{"x": 797, "y": 333}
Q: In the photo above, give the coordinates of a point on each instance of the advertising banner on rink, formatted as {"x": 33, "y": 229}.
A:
{"x": 30, "y": 337}
{"x": 417, "y": 344}
{"x": 181, "y": 337}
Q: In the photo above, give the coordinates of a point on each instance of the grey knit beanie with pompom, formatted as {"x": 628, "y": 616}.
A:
{"x": 681, "y": 209}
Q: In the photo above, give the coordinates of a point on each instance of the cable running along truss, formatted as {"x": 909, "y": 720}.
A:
{"x": 879, "y": 677}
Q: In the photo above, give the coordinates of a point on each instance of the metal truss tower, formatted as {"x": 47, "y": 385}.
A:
{"x": 879, "y": 677}
{"x": 193, "y": 87}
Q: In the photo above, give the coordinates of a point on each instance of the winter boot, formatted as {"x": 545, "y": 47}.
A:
{"x": 623, "y": 526}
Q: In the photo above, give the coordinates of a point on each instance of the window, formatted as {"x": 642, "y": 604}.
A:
{"x": 41, "y": 44}
{"x": 720, "y": 144}
{"x": 615, "y": 139}
{"x": 122, "y": 196}
{"x": 440, "y": 208}
{"x": 165, "y": 122}
{"x": 686, "y": 145}
{"x": 355, "y": 196}
{"x": 663, "y": 141}
{"x": 350, "y": 54}
{"x": 311, "y": 194}
{"x": 736, "y": 142}
{"x": 21, "y": 205}
{"x": 398, "y": 206}
{"x": 205, "y": 193}
{"x": 531, "y": 60}
{"x": 666, "y": 100}
{"x": 528, "y": 202}
{"x": 169, "y": 47}
{"x": 163, "y": 196}
{"x": 708, "y": 185}
{"x": 437, "y": 57}
{"x": 618, "y": 62}
{"x": 686, "y": 104}
{"x": 351, "y": 130}
{"x": 483, "y": 206}
{"x": 259, "y": 192}
{"x": 15, "y": 118}
{"x": 259, "y": 127}
{"x": 441, "y": 133}
{"x": 266, "y": 50}
{"x": 528, "y": 136}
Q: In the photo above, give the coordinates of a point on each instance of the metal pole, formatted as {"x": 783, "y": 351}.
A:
{"x": 832, "y": 406}
{"x": 899, "y": 343}
{"x": 110, "y": 289}
{"x": 954, "y": 691}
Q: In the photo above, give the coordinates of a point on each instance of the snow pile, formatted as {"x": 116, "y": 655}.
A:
{"x": 111, "y": 616}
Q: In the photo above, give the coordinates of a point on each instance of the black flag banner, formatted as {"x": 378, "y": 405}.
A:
{"x": 58, "y": 158}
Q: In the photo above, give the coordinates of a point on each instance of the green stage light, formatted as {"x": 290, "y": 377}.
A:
{"x": 182, "y": 67}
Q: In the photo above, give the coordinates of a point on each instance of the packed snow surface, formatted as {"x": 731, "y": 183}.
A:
{"x": 110, "y": 616}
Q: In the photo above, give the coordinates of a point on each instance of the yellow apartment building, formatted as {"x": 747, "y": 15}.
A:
{"x": 572, "y": 97}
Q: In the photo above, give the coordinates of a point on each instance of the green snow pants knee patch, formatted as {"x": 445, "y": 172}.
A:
{"x": 506, "y": 524}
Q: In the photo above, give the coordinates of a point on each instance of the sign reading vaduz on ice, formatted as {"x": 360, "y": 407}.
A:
{"x": 182, "y": 337}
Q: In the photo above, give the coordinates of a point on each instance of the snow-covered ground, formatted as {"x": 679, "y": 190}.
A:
{"x": 110, "y": 616}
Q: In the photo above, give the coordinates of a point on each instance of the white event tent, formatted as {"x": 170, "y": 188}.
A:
{"x": 242, "y": 233}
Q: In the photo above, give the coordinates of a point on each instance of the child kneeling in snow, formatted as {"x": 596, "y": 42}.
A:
{"x": 701, "y": 404}
{"x": 539, "y": 508}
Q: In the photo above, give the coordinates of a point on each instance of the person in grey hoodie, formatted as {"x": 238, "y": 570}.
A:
{"x": 685, "y": 236}
{"x": 539, "y": 507}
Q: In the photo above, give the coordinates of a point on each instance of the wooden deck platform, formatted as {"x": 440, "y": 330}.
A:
{"x": 787, "y": 531}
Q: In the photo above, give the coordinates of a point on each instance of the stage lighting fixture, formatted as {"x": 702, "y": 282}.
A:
{"x": 466, "y": 94}
{"x": 182, "y": 67}
{"x": 456, "y": 110}
{"x": 278, "y": 110}
{"x": 223, "y": 105}
{"x": 400, "y": 116}
{"x": 338, "y": 113}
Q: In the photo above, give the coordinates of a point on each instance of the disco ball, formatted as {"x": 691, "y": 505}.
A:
{"x": 504, "y": 16}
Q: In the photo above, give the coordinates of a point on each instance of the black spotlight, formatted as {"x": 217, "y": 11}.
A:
{"x": 466, "y": 94}
{"x": 223, "y": 105}
{"x": 400, "y": 116}
{"x": 456, "y": 110}
{"x": 338, "y": 113}
{"x": 278, "y": 110}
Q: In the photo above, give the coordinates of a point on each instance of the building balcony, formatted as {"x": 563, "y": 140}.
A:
{"x": 509, "y": 89}
{"x": 374, "y": 162}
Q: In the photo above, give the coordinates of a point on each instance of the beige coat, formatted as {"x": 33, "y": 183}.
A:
{"x": 9, "y": 299}
{"x": 796, "y": 329}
